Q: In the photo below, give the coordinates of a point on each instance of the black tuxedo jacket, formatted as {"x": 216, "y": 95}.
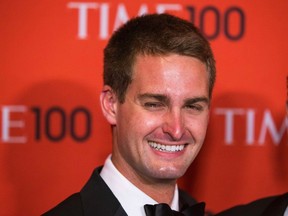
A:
{"x": 268, "y": 206}
{"x": 96, "y": 199}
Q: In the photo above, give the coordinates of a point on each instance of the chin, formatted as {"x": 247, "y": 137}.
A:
{"x": 169, "y": 173}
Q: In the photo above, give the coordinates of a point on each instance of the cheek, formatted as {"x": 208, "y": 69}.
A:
{"x": 151, "y": 121}
{"x": 136, "y": 125}
{"x": 198, "y": 126}
{"x": 151, "y": 124}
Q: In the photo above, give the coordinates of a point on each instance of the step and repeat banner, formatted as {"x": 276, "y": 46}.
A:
{"x": 53, "y": 134}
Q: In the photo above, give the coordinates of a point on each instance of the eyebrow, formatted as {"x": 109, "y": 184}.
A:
{"x": 164, "y": 98}
{"x": 197, "y": 99}
{"x": 158, "y": 97}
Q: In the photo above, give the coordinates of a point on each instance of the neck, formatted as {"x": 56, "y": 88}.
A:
{"x": 162, "y": 193}
{"x": 161, "y": 190}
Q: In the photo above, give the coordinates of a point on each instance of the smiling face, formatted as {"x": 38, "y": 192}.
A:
{"x": 161, "y": 126}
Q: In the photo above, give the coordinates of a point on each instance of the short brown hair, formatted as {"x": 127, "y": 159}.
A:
{"x": 154, "y": 34}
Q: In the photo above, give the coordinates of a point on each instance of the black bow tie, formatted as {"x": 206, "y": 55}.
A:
{"x": 164, "y": 209}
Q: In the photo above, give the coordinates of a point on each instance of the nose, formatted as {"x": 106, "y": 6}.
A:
{"x": 173, "y": 125}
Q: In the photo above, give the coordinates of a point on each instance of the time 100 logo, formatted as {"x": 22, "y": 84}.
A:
{"x": 53, "y": 123}
{"x": 211, "y": 20}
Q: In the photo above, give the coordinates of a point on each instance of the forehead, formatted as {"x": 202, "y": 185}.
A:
{"x": 170, "y": 73}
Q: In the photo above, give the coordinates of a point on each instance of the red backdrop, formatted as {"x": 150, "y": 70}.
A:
{"x": 52, "y": 133}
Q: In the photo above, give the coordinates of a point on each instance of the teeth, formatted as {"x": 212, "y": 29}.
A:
{"x": 166, "y": 148}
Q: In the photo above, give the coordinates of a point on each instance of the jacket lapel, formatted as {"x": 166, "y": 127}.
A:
{"x": 185, "y": 199}
{"x": 98, "y": 199}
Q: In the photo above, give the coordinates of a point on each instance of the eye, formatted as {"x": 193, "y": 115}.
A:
{"x": 194, "y": 107}
{"x": 154, "y": 106}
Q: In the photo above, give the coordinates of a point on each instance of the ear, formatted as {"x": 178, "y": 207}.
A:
{"x": 108, "y": 101}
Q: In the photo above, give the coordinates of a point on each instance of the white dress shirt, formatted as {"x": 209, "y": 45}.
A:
{"x": 130, "y": 197}
{"x": 286, "y": 212}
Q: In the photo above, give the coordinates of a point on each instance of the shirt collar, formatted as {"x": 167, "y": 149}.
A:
{"x": 126, "y": 192}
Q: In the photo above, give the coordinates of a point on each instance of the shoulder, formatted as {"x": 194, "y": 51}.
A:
{"x": 70, "y": 206}
{"x": 264, "y": 206}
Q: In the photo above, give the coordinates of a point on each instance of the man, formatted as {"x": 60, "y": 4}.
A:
{"x": 159, "y": 73}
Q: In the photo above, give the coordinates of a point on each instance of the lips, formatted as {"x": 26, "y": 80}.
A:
{"x": 166, "y": 148}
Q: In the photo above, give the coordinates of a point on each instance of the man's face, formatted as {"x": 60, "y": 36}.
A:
{"x": 161, "y": 126}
